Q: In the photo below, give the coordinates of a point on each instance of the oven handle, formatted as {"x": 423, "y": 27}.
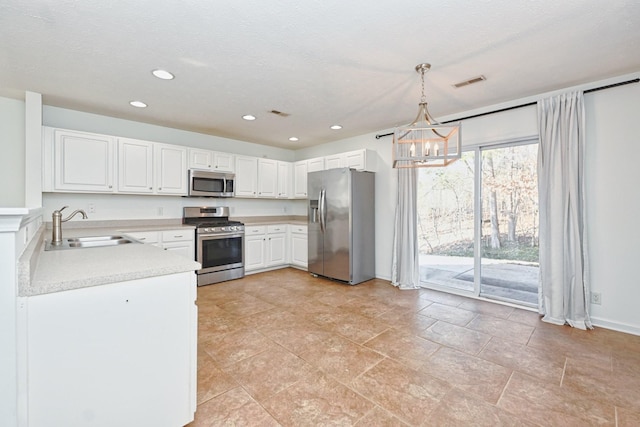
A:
{"x": 219, "y": 236}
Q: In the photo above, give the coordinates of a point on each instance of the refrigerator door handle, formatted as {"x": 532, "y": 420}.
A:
{"x": 322, "y": 209}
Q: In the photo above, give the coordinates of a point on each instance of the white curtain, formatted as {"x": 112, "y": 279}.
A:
{"x": 405, "y": 259}
{"x": 564, "y": 275}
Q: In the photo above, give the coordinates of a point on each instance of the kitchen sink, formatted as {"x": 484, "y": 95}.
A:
{"x": 89, "y": 242}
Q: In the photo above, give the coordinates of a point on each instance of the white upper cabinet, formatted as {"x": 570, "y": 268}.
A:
{"x": 267, "y": 178}
{"x": 135, "y": 166}
{"x": 211, "y": 160}
{"x": 246, "y": 182}
{"x": 300, "y": 179}
{"x": 363, "y": 160}
{"x": 334, "y": 161}
{"x": 284, "y": 180}
{"x": 78, "y": 161}
{"x": 171, "y": 169}
{"x": 146, "y": 167}
{"x": 314, "y": 165}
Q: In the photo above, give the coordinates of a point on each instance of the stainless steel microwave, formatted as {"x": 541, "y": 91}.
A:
{"x": 211, "y": 184}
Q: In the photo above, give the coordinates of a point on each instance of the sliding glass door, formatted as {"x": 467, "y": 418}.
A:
{"x": 478, "y": 224}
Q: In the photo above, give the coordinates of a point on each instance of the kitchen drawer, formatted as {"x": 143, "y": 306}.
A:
{"x": 254, "y": 229}
{"x": 177, "y": 235}
{"x": 280, "y": 228}
{"x": 145, "y": 236}
{"x": 302, "y": 229}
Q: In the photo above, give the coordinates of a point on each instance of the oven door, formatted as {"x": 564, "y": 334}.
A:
{"x": 218, "y": 252}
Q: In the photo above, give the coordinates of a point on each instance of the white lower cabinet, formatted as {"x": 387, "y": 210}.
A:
{"x": 275, "y": 246}
{"x": 179, "y": 241}
{"x": 299, "y": 247}
{"x": 119, "y": 354}
{"x": 265, "y": 247}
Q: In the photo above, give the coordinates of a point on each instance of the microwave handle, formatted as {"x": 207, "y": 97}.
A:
{"x": 224, "y": 184}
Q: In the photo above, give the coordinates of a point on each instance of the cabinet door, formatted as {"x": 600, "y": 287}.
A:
{"x": 171, "y": 167}
{"x": 334, "y": 162}
{"x": 135, "y": 166}
{"x": 224, "y": 162}
{"x": 185, "y": 249}
{"x": 300, "y": 180}
{"x": 299, "y": 250}
{"x": 314, "y": 165}
{"x": 356, "y": 160}
{"x": 200, "y": 159}
{"x": 246, "y": 176}
{"x": 276, "y": 249}
{"x": 284, "y": 180}
{"x": 83, "y": 162}
{"x": 254, "y": 257}
{"x": 267, "y": 178}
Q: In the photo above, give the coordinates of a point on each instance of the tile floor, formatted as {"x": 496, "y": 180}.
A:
{"x": 284, "y": 348}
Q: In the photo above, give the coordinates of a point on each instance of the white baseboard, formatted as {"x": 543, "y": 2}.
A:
{"x": 616, "y": 326}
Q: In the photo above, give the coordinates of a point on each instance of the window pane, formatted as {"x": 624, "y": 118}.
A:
{"x": 445, "y": 224}
{"x": 509, "y": 248}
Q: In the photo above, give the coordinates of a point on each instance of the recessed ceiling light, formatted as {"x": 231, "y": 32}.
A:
{"x": 249, "y": 117}
{"x": 293, "y": 139}
{"x": 336, "y": 127}
{"x": 163, "y": 74}
{"x": 138, "y": 104}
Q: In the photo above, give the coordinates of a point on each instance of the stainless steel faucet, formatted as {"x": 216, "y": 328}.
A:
{"x": 56, "y": 235}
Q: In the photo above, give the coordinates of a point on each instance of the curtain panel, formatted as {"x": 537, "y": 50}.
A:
{"x": 564, "y": 274}
{"x": 405, "y": 257}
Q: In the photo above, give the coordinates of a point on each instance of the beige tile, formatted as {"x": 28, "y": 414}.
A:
{"x": 406, "y": 320}
{"x": 627, "y": 418}
{"x": 545, "y": 365}
{"x": 233, "y": 408}
{"x": 403, "y": 347}
{"x": 550, "y": 405}
{"x": 458, "y": 408}
{"x": 480, "y": 377}
{"x": 246, "y": 306}
{"x": 408, "y": 394}
{"x": 317, "y": 401}
{"x": 275, "y": 317}
{"x": 269, "y": 372}
{"x": 211, "y": 380}
{"x": 506, "y": 329}
{"x": 341, "y": 358}
{"x": 297, "y": 337}
{"x": 442, "y": 297}
{"x": 378, "y": 417}
{"x": 237, "y": 345}
{"x": 526, "y": 317}
{"x": 365, "y": 307}
{"x": 446, "y": 313}
{"x": 560, "y": 339}
{"x": 616, "y": 388}
{"x": 457, "y": 337}
{"x": 484, "y": 307}
{"x": 214, "y": 324}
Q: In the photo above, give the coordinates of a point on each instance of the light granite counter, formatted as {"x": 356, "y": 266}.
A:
{"x": 42, "y": 272}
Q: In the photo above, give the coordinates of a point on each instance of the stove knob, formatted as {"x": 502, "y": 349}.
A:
{"x": 232, "y": 228}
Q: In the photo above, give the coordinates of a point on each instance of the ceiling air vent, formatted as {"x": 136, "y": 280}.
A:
{"x": 470, "y": 81}
{"x": 279, "y": 113}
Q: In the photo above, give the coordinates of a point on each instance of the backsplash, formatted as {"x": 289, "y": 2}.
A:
{"x": 119, "y": 206}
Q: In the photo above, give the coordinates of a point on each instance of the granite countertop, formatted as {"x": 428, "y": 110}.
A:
{"x": 42, "y": 272}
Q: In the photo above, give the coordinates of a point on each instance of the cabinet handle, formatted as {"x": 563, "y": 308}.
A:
{"x": 177, "y": 236}
{"x": 110, "y": 186}
{"x": 159, "y": 188}
{"x": 150, "y": 188}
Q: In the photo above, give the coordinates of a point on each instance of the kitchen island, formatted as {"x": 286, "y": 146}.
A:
{"x": 106, "y": 336}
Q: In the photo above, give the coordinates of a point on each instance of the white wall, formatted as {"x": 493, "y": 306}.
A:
{"x": 12, "y": 137}
{"x": 613, "y": 204}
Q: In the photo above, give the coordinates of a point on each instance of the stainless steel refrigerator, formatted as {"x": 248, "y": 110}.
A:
{"x": 342, "y": 224}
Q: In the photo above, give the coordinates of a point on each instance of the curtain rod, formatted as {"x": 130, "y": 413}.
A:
{"x": 525, "y": 105}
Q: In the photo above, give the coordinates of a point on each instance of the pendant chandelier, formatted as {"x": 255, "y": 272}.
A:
{"x": 425, "y": 142}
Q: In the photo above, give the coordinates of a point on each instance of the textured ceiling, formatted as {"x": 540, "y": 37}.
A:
{"x": 324, "y": 62}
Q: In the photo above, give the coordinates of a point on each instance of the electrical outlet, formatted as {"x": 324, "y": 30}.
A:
{"x": 160, "y": 211}
{"x": 596, "y": 298}
{"x": 91, "y": 208}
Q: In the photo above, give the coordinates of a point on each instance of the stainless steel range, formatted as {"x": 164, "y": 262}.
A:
{"x": 219, "y": 244}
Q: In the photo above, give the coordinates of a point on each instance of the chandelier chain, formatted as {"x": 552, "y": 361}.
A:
{"x": 423, "y": 99}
